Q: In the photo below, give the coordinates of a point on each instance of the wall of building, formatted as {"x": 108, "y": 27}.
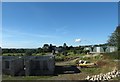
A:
{"x": 40, "y": 66}
{"x": 12, "y": 65}
{"x": 16, "y": 66}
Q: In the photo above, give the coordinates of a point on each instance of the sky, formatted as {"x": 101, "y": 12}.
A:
{"x": 32, "y": 24}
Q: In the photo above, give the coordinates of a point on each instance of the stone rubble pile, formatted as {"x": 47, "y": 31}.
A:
{"x": 104, "y": 77}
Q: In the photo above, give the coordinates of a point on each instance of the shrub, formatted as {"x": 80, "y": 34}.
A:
{"x": 28, "y": 53}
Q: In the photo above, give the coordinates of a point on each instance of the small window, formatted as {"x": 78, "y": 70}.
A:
{"x": 7, "y": 64}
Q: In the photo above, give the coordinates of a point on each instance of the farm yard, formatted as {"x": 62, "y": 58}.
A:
{"x": 68, "y": 69}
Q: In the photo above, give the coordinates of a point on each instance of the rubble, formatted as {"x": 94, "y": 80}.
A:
{"x": 104, "y": 77}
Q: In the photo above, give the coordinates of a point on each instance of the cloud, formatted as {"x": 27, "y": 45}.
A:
{"x": 78, "y": 40}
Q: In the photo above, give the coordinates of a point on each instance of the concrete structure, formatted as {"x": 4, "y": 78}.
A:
{"x": 28, "y": 65}
{"x": 40, "y": 65}
{"x": 12, "y": 65}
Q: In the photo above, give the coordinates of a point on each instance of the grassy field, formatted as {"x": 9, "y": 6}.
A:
{"x": 105, "y": 63}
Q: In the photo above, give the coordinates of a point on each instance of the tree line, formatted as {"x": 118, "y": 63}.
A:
{"x": 49, "y": 48}
{"x": 113, "y": 40}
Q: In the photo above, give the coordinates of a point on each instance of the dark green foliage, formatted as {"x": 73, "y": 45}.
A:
{"x": 45, "y": 48}
{"x": 29, "y": 52}
{"x": 114, "y": 39}
{"x": 39, "y": 50}
{"x": 13, "y": 50}
{"x": 65, "y": 53}
{"x": 104, "y": 48}
{"x": 75, "y": 52}
{"x": 65, "y": 46}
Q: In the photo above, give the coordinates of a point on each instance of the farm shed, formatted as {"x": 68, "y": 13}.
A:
{"x": 111, "y": 49}
{"x": 98, "y": 50}
{"x": 89, "y": 48}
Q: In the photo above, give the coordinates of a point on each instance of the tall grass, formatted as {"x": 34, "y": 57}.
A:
{"x": 113, "y": 55}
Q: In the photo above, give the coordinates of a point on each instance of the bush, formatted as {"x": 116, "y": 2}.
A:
{"x": 28, "y": 53}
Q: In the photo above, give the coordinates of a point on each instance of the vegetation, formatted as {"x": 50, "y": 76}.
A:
{"x": 114, "y": 39}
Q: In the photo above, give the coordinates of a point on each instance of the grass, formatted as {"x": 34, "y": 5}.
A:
{"x": 13, "y": 54}
{"x": 7, "y": 77}
{"x": 23, "y": 54}
{"x": 113, "y": 55}
{"x": 91, "y": 71}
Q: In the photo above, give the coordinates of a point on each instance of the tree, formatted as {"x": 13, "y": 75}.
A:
{"x": 70, "y": 48}
{"x": 114, "y": 39}
{"x": 39, "y": 50}
{"x": 92, "y": 48}
{"x": 45, "y": 48}
{"x": 50, "y": 48}
{"x": 118, "y": 37}
{"x": 81, "y": 48}
{"x": 104, "y": 48}
{"x": 65, "y": 46}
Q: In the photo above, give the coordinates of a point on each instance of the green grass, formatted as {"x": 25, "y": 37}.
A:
{"x": 91, "y": 70}
{"x": 13, "y": 54}
{"x": 23, "y": 54}
{"x": 7, "y": 77}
